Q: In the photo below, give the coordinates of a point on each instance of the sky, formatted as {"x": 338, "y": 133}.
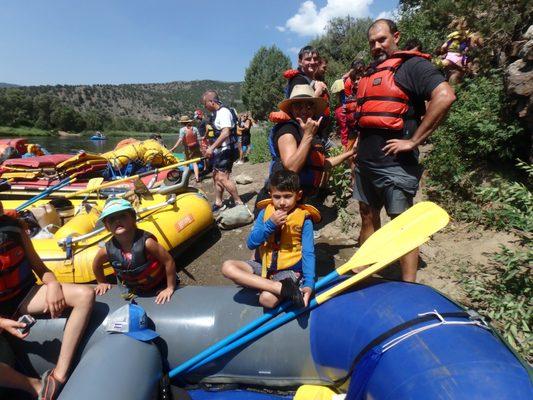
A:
{"x": 49, "y": 42}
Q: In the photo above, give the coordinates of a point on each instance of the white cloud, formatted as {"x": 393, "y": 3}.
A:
{"x": 387, "y": 15}
{"x": 281, "y": 28}
{"x": 311, "y": 21}
{"x": 294, "y": 50}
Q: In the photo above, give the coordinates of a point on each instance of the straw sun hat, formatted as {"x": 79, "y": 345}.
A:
{"x": 303, "y": 93}
{"x": 185, "y": 119}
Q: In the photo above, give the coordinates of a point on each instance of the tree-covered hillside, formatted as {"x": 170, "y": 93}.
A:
{"x": 137, "y": 107}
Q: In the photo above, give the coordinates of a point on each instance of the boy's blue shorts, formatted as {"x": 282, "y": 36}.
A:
{"x": 278, "y": 276}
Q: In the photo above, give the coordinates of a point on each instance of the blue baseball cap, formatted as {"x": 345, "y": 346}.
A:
{"x": 130, "y": 320}
{"x": 115, "y": 205}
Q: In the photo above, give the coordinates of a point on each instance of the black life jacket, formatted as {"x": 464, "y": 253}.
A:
{"x": 312, "y": 174}
{"x": 140, "y": 272}
{"x": 15, "y": 268}
{"x": 216, "y": 132}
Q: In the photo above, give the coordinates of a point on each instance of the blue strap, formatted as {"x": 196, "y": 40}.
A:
{"x": 68, "y": 244}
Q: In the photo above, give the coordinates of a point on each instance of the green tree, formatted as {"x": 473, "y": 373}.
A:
{"x": 263, "y": 81}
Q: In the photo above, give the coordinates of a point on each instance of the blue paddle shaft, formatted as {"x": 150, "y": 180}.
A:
{"x": 43, "y": 194}
{"x": 196, "y": 361}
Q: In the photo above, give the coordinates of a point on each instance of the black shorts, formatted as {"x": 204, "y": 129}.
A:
{"x": 246, "y": 139}
{"x": 223, "y": 159}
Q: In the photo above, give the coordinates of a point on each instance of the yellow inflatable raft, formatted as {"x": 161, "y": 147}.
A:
{"x": 174, "y": 220}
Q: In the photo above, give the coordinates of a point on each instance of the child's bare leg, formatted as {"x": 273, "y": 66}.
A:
{"x": 14, "y": 380}
{"x": 81, "y": 299}
{"x": 196, "y": 171}
{"x": 242, "y": 274}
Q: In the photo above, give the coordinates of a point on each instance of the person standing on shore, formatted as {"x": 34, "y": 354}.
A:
{"x": 390, "y": 104}
{"x": 222, "y": 148}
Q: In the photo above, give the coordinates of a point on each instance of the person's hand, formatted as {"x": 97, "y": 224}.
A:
{"x": 11, "y": 326}
{"x": 309, "y": 127}
{"x": 101, "y": 288}
{"x": 279, "y": 217}
{"x": 320, "y": 88}
{"x": 351, "y": 153}
{"x": 307, "y": 292}
{"x": 209, "y": 152}
{"x": 164, "y": 296}
{"x": 395, "y": 146}
{"x": 55, "y": 300}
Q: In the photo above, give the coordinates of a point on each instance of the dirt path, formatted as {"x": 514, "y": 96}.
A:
{"x": 459, "y": 245}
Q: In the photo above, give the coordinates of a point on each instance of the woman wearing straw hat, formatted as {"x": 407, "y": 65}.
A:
{"x": 190, "y": 137}
{"x": 295, "y": 145}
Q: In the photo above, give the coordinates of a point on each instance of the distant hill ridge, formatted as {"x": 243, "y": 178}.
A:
{"x": 152, "y": 101}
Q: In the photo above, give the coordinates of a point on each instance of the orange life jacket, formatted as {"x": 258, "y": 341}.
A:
{"x": 190, "y": 139}
{"x": 140, "y": 272}
{"x": 381, "y": 103}
{"x": 15, "y": 268}
{"x": 283, "y": 249}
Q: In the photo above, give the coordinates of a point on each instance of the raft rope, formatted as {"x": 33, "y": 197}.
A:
{"x": 473, "y": 319}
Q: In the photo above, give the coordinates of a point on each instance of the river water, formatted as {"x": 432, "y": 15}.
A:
{"x": 71, "y": 144}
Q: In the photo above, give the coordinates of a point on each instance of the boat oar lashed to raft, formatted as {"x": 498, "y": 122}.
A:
{"x": 133, "y": 177}
{"x": 401, "y": 235}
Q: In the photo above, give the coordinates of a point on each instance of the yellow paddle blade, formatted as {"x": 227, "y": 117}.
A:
{"x": 412, "y": 235}
{"x": 94, "y": 183}
{"x": 423, "y": 219}
{"x": 314, "y": 392}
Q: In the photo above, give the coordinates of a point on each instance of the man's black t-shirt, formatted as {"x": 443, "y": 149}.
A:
{"x": 299, "y": 79}
{"x": 418, "y": 77}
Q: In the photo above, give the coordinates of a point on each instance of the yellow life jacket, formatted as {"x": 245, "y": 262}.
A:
{"x": 283, "y": 249}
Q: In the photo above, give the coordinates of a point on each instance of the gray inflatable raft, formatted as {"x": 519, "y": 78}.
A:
{"x": 465, "y": 360}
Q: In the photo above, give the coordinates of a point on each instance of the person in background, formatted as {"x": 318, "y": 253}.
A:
{"x": 243, "y": 132}
{"x": 190, "y": 137}
{"x": 222, "y": 148}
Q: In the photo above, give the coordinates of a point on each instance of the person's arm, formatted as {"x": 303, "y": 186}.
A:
{"x": 165, "y": 259}
{"x": 442, "y": 98}
{"x": 98, "y": 269}
{"x": 320, "y": 88}
{"x": 178, "y": 142}
{"x": 293, "y": 156}
{"x": 55, "y": 300}
{"x": 308, "y": 260}
{"x": 260, "y": 231}
{"x": 338, "y": 159}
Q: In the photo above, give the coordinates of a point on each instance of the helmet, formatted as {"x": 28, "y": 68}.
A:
{"x": 338, "y": 86}
{"x": 198, "y": 114}
{"x": 115, "y": 205}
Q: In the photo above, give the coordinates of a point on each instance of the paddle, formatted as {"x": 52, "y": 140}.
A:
{"x": 46, "y": 192}
{"x": 381, "y": 245}
{"x": 129, "y": 178}
{"x": 415, "y": 233}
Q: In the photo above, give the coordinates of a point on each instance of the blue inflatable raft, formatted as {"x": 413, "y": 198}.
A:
{"x": 382, "y": 340}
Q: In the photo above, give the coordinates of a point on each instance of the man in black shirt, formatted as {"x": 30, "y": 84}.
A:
{"x": 388, "y": 171}
{"x": 308, "y": 64}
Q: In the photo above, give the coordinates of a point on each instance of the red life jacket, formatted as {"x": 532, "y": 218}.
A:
{"x": 190, "y": 139}
{"x": 15, "y": 269}
{"x": 381, "y": 103}
{"x": 140, "y": 272}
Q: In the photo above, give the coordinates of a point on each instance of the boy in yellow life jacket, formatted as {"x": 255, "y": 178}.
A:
{"x": 284, "y": 265}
